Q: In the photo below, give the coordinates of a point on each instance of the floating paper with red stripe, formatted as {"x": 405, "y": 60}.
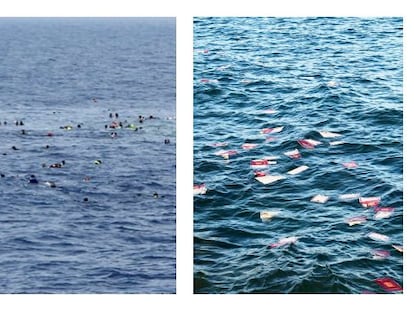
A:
{"x": 293, "y": 154}
{"x": 351, "y": 164}
{"x": 199, "y": 189}
{"x": 383, "y": 212}
{"x": 308, "y": 143}
{"x": 271, "y": 130}
{"x": 380, "y": 254}
{"x": 284, "y": 241}
{"x": 259, "y": 174}
{"x": 357, "y": 220}
{"x": 369, "y": 201}
{"x": 248, "y": 146}
{"x": 259, "y": 164}
{"x": 388, "y": 284}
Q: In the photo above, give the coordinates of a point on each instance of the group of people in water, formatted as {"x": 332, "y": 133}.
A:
{"x": 114, "y": 126}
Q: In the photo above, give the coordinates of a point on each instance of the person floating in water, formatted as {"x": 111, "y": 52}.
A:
{"x": 33, "y": 180}
{"x": 58, "y": 165}
{"x": 51, "y": 184}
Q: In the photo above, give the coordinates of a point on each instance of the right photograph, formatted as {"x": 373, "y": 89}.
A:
{"x": 298, "y": 155}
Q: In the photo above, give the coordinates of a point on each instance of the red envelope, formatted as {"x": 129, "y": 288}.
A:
{"x": 388, "y": 284}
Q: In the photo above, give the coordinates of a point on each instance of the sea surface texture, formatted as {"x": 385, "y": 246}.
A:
{"x": 262, "y": 86}
{"x": 101, "y": 217}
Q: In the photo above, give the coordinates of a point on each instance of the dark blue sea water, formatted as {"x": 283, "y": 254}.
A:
{"x": 109, "y": 226}
{"x": 342, "y": 75}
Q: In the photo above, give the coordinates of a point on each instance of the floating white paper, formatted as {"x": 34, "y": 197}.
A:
{"x": 326, "y": 134}
{"x": 398, "y": 247}
{"x": 356, "y": 220}
{"x": 298, "y": 170}
{"x": 349, "y": 196}
{"x": 319, "y": 198}
{"x": 268, "y": 179}
{"x": 268, "y": 215}
{"x": 332, "y": 83}
{"x": 383, "y": 212}
{"x": 378, "y": 237}
{"x": 199, "y": 189}
{"x": 337, "y": 142}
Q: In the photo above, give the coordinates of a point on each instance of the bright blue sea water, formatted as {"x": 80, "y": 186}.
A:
{"x": 104, "y": 228}
{"x": 343, "y": 75}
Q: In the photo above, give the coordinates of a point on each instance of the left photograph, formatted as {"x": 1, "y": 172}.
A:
{"x": 88, "y": 155}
